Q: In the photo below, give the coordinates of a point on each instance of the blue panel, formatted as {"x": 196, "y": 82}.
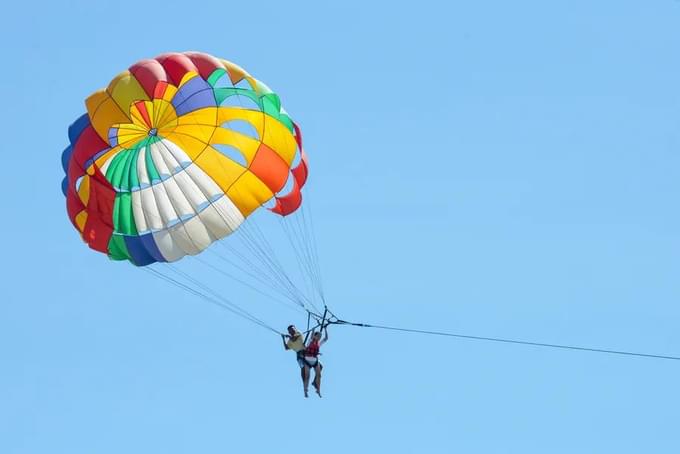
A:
{"x": 77, "y": 127}
{"x": 151, "y": 247}
{"x": 138, "y": 252}
{"x": 64, "y": 185}
{"x": 195, "y": 101}
{"x": 66, "y": 157}
{"x": 199, "y": 90}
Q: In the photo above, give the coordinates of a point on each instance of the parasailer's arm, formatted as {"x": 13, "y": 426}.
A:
{"x": 285, "y": 343}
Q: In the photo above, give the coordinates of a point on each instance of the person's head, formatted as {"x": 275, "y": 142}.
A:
{"x": 317, "y": 335}
{"x": 292, "y": 330}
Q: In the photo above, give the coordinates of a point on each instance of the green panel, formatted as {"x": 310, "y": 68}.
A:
{"x": 124, "y": 183}
{"x": 116, "y": 215}
{"x": 117, "y": 248}
{"x": 133, "y": 178}
{"x": 274, "y": 99}
{"x": 216, "y": 75}
{"x": 115, "y": 169}
{"x": 285, "y": 119}
{"x": 223, "y": 93}
{"x": 150, "y": 167}
{"x": 124, "y": 215}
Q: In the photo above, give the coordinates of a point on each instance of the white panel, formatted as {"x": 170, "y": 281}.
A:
{"x": 167, "y": 156}
{"x": 204, "y": 182}
{"x": 167, "y": 246}
{"x": 138, "y": 212}
{"x": 152, "y": 216}
{"x": 158, "y": 161}
{"x": 191, "y": 191}
{"x": 228, "y": 212}
{"x": 191, "y": 237}
{"x": 217, "y": 221}
{"x": 179, "y": 154}
{"x": 165, "y": 208}
{"x": 142, "y": 173}
{"x": 177, "y": 198}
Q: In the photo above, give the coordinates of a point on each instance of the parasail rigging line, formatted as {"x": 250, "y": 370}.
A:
{"x": 336, "y": 321}
{"x": 221, "y": 302}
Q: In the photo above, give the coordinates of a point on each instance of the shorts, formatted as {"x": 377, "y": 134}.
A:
{"x": 311, "y": 361}
{"x": 300, "y": 359}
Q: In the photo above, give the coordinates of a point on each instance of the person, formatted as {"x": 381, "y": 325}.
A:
{"x": 296, "y": 342}
{"x": 311, "y": 360}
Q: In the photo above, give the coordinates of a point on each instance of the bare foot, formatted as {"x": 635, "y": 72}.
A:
{"x": 318, "y": 392}
{"x": 306, "y": 393}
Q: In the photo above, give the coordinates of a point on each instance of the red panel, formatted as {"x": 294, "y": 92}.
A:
{"x": 100, "y": 177}
{"x": 73, "y": 206}
{"x": 89, "y": 143}
{"x": 141, "y": 107}
{"x": 298, "y": 136}
{"x": 148, "y": 73}
{"x": 205, "y": 63}
{"x": 159, "y": 91}
{"x": 176, "y": 66}
{"x": 288, "y": 203}
{"x": 97, "y": 234}
{"x": 301, "y": 171}
{"x": 100, "y": 203}
{"x": 75, "y": 171}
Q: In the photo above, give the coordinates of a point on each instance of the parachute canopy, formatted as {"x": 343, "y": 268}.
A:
{"x": 175, "y": 154}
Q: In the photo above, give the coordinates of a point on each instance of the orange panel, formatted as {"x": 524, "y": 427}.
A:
{"x": 270, "y": 168}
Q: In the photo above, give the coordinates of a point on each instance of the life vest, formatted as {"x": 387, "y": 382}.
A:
{"x": 312, "y": 349}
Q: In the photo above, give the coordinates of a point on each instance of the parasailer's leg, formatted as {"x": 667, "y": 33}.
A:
{"x": 305, "y": 379}
{"x": 317, "y": 378}
{"x": 314, "y": 381}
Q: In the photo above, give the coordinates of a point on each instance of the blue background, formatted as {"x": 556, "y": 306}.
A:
{"x": 493, "y": 168}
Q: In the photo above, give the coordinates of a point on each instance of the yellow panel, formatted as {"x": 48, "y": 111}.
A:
{"x": 207, "y": 116}
{"x": 279, "y": 138}
{"x": 221, "y": 169}
{"x": 102, "y": 159}
{"x": 254, "y": 85}
{"x": 274, "y": 134}
{"x": 199, "y": 132}
{"x": 236, "y": 73}
{"x": 165, "y": 113}
{"x": 84, "y": 190}
{"x": 246, "y": 145}
{"x": 81, "y": 219}
{"x": 254, "y": 117}
{"x": 187, "y": 77}
{"x": 248, "y": 193}
{"x": 125, "y": 89}
{"x": 170, "y": 91}
{"x": 93, "y": 101}
{"x": 190, "y": 145}
{"x": 104, "y": 113}
{"x": 131, "y": 128}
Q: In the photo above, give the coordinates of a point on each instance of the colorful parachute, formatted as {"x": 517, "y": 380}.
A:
{"x": 174, "y": 154}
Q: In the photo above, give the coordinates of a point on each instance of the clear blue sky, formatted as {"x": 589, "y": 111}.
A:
{"x": 493, "y": 168}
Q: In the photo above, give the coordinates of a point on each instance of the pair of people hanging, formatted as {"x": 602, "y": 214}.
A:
{"x": 307, "y": 354}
